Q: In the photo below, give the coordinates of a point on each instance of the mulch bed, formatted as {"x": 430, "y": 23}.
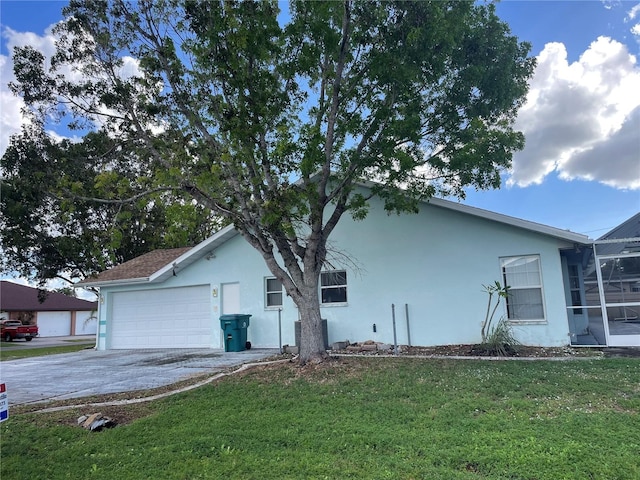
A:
{"x": 521, "y": 351}
{"x": 466, "y": 350}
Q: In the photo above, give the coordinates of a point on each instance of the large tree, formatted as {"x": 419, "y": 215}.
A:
{"x": 63, "y": 214}
{"x": 270, "y": 119}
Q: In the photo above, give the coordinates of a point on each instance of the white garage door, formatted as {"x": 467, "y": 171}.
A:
{"x": 86, "y": 323}
{"x": 54, "y": 324}
{"x": 165, "y": 318}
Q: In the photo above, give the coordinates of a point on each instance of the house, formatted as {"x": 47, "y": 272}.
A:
{"x": 55, "y": 314}
{"x": 431, "y": 266}
{"x": 603, "y": 288}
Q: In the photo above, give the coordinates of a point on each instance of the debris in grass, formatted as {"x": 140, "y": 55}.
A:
{"x": 368, "y": 346}
{"x": 95, "y": 422}
{"x": 292, "y": 349}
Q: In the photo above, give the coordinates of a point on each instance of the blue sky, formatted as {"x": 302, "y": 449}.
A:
{"x": 580, "y": 169}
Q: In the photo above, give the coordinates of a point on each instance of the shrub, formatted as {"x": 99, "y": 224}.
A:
{"x": 497, "y": 339}
{"x": 500, "y": 340}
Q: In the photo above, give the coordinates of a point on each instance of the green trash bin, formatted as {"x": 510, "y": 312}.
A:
{"x": 234, "y": 327}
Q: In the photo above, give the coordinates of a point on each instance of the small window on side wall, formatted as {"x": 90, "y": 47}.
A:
{"x": 333, "y": 287}
{"x": 523, "y": 276}
{"x": 273, "y": 293}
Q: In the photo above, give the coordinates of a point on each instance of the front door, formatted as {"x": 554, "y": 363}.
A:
{"x": 230, "y": 298}
{"x": 584, "y": 311}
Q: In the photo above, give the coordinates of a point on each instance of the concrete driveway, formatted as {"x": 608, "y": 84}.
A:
{"x": 90, "y": 372}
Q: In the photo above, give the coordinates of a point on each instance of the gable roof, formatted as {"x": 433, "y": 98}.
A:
{"x": 627, "y": 229}
{"x": 138, "y": 269}
{"x": 159, "y": 265}
{"x": 17, "y": 298}
{"x": 624, "y": 238}
{"x": 558, "y": 233}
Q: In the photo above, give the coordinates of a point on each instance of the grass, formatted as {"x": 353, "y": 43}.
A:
{"x": 358, "y": 418}
{"x": 12, "y": 353}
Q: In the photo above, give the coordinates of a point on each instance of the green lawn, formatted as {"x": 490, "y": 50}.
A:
{"x": 366, "y": 418}
{"x": 13, "y": 351}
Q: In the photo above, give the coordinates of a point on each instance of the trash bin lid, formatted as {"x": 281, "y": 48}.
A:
{"x": 235, "y": 316}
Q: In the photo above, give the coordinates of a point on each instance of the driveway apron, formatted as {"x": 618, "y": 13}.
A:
{"x": 90, "y": 372}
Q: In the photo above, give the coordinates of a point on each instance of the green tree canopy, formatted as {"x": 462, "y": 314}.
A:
{"x": 63, "y": 214}
{"x": 270, "y": 119}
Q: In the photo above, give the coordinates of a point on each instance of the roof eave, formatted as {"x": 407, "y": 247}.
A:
{"x": 184, "y": 260}
{"x": 109, "y": 283}
{"x": 516, "y": 222}
{"x": 566, "y": 235}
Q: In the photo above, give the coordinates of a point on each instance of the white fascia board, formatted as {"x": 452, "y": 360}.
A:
{"x": 516, "y": 222}
{"x": 109, "y": 283}
{"x": 618, "y": 240}
{"x": 197, "y": 252}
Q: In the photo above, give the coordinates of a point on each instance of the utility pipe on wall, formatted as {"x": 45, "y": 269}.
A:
{"x": 280, "y": 329}
{"x": 406, "y": 313}
{"x": 395, "y": 338}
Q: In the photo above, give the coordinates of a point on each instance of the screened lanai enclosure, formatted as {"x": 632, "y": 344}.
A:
{"x": 602, "y": 288}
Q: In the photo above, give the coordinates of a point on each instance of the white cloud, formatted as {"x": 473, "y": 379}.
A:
{"x": 631, "y": 16}
{"x": 580, "y": 119}
{"x": 11, "y": 118}
{"x": 57, "y": 138}
{"x": 614, "y": 162}
{"x": 11, "y": 115}
{"x": 634, "y": 12}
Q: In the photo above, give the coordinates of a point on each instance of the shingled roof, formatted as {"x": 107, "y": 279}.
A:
{"x": 22, "y": 298}
{"x": 628, "y": 229}
{"x": 139, "y": 267}
{"x": 627, "y": 234}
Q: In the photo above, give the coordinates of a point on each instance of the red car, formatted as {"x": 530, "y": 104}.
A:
{"x": 12, "y": 329}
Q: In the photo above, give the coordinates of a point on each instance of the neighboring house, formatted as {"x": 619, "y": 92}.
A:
{"x": 604, "y": 288}
{"x": 431, "y": 265}
{"x": 55, "y": 314}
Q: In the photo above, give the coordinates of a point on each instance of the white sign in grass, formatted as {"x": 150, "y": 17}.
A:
{"x": 4, "y": 403}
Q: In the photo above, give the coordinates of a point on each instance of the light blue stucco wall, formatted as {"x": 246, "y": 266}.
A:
{"x": 435, "y": 261}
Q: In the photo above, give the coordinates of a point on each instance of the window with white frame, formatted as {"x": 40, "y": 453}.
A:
{"x": 273, "y": 292}
{"x": 333, "y": 287}
{"x": 522, "y": 276}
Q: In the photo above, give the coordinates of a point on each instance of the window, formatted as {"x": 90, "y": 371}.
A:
{"x": 333, "y": 286}
{"x": 522, "y": 275}
{"x": 273, "y": 293}
{"x": 574, "y": 286}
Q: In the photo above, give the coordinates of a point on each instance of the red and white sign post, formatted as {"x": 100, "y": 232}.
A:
{"x": 4, "y": 403}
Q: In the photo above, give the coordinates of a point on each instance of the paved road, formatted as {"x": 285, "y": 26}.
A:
{"x": 90, "y": 372}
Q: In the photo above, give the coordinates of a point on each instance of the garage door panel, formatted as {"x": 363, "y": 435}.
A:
{"x": 167, "y": 318}
{"x": 54, "y": 324}
{"x": 86, "y": 323}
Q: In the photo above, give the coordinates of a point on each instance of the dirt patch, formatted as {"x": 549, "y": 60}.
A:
{"x": 186, "y": 357}
{"x": 625, "y": 352}
{"x": 521, "y": 352}
{"x": 471, "y": 350}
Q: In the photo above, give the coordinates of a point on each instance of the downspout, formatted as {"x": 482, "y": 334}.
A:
{"x": 100, "y": 301}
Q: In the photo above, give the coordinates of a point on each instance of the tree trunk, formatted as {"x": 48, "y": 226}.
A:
{"x": 312, "y": 348}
